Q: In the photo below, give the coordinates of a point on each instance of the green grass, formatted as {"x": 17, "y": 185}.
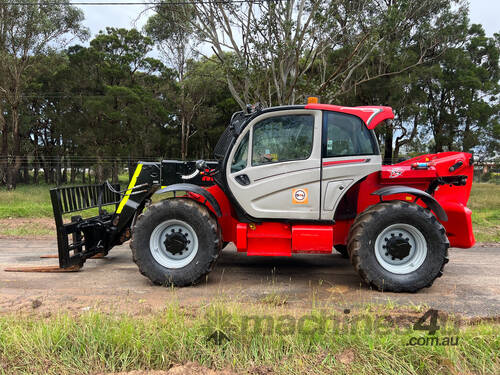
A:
{"x": 34, "y": 201}
{"x": 98, "y": 342}
{"x": 26, "y": 201}
{"x": 26, "y": 230}
{"x": 485, "y": 205}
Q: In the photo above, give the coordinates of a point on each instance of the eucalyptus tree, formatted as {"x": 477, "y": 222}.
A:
{"x": 462, "y": 94}
{"x": 171, "y": 29}
{"x": 119, "y": 104}
{"x": 267, "y": 48}
{"x": 27, "y": 28}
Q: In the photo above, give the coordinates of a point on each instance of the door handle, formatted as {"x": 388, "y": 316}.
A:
{"x": 242, "y": 179}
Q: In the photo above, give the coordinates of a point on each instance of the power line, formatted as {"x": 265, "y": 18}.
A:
{"x": 145, "y": 3}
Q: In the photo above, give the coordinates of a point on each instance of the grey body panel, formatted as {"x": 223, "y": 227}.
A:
{"x": 269, "y": 193}
{"x": 334, "y": 190}
{"x": 337, "y": 179}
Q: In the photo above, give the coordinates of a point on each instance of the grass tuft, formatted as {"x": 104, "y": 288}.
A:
{"x": 97, "y": 342}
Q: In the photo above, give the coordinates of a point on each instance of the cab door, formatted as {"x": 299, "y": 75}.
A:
{"x": 275, "y": 165}
{"x": 350, "y": 153}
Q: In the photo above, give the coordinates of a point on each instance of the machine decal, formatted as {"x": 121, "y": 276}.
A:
{"x": 130, "y": 188}
{"x": 334, "y": 162}
{"x": 396, "y": 172}
{"x": 300, "y": 196}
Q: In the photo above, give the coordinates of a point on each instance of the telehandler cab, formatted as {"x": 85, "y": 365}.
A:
{"x": 291, "y": 179}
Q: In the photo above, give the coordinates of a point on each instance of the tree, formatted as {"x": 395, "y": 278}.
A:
{"x": 205, "y": 79}
{"x": 171, "y": 29}
{"x": 462, "y": 91}
{"x": 26, "y": 29}
{"x": 274, "y": 45}
{"x": 119, "y": 98}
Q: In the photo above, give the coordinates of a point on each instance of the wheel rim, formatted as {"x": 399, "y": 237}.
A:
{"x": 173, "y": 244}
{"x": 401, "y": 248}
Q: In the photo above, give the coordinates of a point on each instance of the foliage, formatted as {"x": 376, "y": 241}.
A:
{"x": 27, "y": 30}
{"x": 289, "y": 48}
{"x": 75, "y": 112}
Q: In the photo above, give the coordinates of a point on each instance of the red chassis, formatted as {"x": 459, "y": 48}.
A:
{"x": 283, "y": 239}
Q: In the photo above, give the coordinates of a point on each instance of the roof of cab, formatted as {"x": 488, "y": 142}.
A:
{"x": 371, "y": 115}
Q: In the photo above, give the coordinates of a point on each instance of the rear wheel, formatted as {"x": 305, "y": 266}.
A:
{"x": 398, "y": 246}
{"x": 176, "y": 242}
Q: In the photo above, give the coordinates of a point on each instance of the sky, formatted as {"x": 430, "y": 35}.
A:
{"x": 98, "y": 17}
{"x": 485, "y": 12}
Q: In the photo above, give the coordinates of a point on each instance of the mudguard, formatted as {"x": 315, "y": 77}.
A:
{"x": 428, "y": 199}
{"x": 194, "y": 189}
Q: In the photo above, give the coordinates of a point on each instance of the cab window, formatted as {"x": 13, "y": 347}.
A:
{"x": 346, "y": 135}
{"x": 240, "y": 156}
{"x": 282, "y": 138}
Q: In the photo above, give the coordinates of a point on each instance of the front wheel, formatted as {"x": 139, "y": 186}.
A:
{"x": 398, "y": 246}
{"x": 176, "y": 242}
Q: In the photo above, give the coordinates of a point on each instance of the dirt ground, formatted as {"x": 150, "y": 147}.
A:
{"x": 187, "y": 369}
{"x": 470, "y": 285}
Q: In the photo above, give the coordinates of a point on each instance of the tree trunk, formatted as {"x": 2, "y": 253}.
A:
{"x": 26, "y": 173}
{"x": 438, "y": 139}
{"x": 388, "y": 145}
{"x": 58, "y": 172}
{"x": 99, "y": 171}
{"x": 183, "y": 138}
{"x": 114, "y": 172}
{"x": 130, "y": 166}
{"x": 36, "y": 166}
{"x": 5, "y": 148}
{"x": 64, "y": 178}
{"x": 13, "y": 170}
{"x": 74, "y": 172}
{"x": 46, "y": 174}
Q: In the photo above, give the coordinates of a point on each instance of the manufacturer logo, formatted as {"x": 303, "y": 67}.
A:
{"x": 299, "y": 196}
{"x": 396, "y": 172}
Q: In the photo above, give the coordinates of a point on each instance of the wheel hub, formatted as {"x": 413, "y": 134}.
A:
{"x": 398, "y": 247}
{"x": 176, "y": 242}
{"x": 173, "y": 243}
